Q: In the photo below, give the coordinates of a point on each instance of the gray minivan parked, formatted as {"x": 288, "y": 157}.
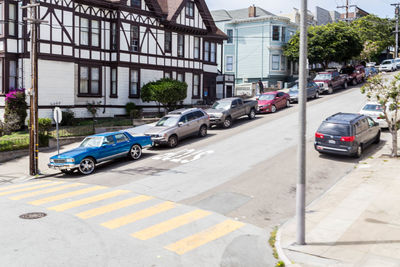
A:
{"x": 346, "y": 134}
{"x": 179, "y": 124}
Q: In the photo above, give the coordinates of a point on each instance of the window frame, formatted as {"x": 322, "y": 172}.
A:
{"x": 180, "y": 73}
{"x": 283, "y": 63}
{"x": 189, "y": 7}
{"x": 92, "y": 33}
{"x": 276, "y": 32}
{"x": 113, "y": 95}
{"x": 137, "y": 39}
{"x": 278, "y": 62}
{"x": 196, "y": 96}
{"x": 180, "y": 45}
{"x": 136, "y": 6}
{"x": 196, "y": 48}
{"x": 283, "y": 34}
{"x": 81, "y": 31}
{"x": 230, "y": 37}
{"x": 15, "y": 77}
{"x": 137, "y": 95}
{"x": 206, "y": 51}
{"x": 2, "y": 17}
{"x": 168, "y": 72}
{"x": 169, "y": 42}
{"x": 2, "y": 81}
{"x": 89, "y": 84}
{"x": 226, "y": 63}
{"x": 12, "y": 21}
{"x": 114, "y": 36}
{"x": 213, "y": 54}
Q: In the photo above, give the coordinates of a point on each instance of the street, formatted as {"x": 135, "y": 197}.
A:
{"x": 246, "y": 173}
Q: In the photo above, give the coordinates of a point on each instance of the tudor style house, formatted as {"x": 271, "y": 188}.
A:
{"x": 106, "y": 50}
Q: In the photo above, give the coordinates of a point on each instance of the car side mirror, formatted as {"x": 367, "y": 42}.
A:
{"x": 180, "y": 124}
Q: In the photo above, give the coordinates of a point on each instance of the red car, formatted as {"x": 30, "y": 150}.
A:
{"x": 272, "y": 101}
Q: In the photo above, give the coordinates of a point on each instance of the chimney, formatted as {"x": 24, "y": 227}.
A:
{"x": 252, "y": 11}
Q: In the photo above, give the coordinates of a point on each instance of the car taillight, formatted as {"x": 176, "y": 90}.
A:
{"x": 319, "y": 135}
{"x": 379, "y": 118}
{"x": 347, "y": 138}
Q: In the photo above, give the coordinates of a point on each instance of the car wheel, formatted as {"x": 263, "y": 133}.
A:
{"x": 354, "y": 82}
{"x": 87, "y": 166}
{"x": 316, "y": 95}
{"x": 203, "y": 131}
{"x": 68, "y": 171}
{"x": 273, "y": 109}
{"x": 135, "y": 152}
{"x": 172, "y": 141}
{"x": 227, "y": 122}
{"x": 377, "y": 138}
{"x": 359, "y": 151}
{"x": 287, "y": 103}
{"x": 345, "y": 85}
{"x": 330, "y": 90}
{"x": 252, "y": 114}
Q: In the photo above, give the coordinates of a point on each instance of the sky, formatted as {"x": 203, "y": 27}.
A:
{"x": 382, "y": 8}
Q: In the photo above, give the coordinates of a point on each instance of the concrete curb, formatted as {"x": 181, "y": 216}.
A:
{"x": 278, "y": 246}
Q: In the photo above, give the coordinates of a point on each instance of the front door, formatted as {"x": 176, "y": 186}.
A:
{"x": 107, "y": 148}
{"x": 229, "y": 91}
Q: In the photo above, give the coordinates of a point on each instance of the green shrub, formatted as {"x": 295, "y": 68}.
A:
{"x": 132, "y": 110}
{"x": 68, "y": 118}
{"x": 44, "y": 125}
{"x": 15, "y": 109}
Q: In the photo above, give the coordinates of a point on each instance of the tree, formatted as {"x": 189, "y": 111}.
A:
{"x": 164, "y": 91}
{"x": 387, "y": 93}
{"x": 378, "y": 31}
{"x": 327, "y": 43}
{"x": 370, "y": 50}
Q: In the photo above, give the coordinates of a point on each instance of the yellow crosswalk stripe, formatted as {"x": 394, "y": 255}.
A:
{"x": 171, "y": 224}
{"x": 88, "y": 200}
{"x": 66, "y": 195}
{"x": 124, "y": 220}
{"x": 24, "y": 184}
{"x": 45, "y": 191}
{"x": 189, "y": 243}
{"x": 111, "y": 207}
{"x": 30, "y": 188}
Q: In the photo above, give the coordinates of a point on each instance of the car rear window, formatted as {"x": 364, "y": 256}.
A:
{"x": 372, "y": 107}
{"x": 334, "y": 129}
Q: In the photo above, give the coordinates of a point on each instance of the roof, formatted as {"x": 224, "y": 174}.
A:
{"x": 343, "y": 117}
{"x": 221, "y": 15}
{"x": 106, "y": 134}
{"x": 182, "y": 111}
{"x": 169, "y": 7}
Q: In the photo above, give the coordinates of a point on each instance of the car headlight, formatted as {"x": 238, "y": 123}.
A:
{"x": 51, "y": 160}
{"x": 219, "y": 115}
{"x": 70, "y": 160}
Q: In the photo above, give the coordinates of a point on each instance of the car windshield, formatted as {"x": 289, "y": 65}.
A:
{"x": 334, "y": 129}
{"x": 168, "y": 121}
{"x": 347, "y": 71}
{"x": 323, "y": 76}
{"x": 224, "y": 105}
{"x": 372, "y": 107}
{"x": 94, "y": 141}
{"x": 266, "y": 97}
{"x": 295, "y": 87}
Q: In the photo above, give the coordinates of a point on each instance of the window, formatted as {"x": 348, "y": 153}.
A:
{"x": 136, "y": 3}
{"x": 114, "y": 36}
{"x": 134, "y": 83}
{"x": 283, "y": 63}
{"x": 275, "y": 33}
{"x": 181, "y": 48}
{"x": 1, "y": 19}
{"x": 196, "y": 85}
{"x": 12, "y": 19}
{"x": 283, "y": 34}
{"x": 168, "y": 42}
{"x": 13, "y": 75}
{"x": 1, "y": 77}
{"x": 196, "y": 47}
{"x": 84, "y": 31}
{"x": 213, "y": 54}
{"x": 108, "y": 140}
{"x": 206, "y": 51}
{"x": 229, "y": 32}
{"x": 167, "y": 75}
{"x": 113, "y": 82}
{"x": 89, "y": 81}
{"x": 134, "y": 38}
{"x": 121, "y": 138}
{"x": 95, "y": 27}
{"x": 180, "y": 77}
{"x": 229, "y": 63}
{"x": 275, "y": 62}
{"x": 189, "y": 9}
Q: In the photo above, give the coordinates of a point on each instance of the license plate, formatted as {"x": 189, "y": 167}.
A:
{"x": 332, "y": 142}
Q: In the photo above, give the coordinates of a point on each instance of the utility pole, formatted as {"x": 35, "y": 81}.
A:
{"x": 301, "y": 151}
{"x": 396, "y": 47}
{"x": 347, "y": 6}
{"x": 33, "y": 91}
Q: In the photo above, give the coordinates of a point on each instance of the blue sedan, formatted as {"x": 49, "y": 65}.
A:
{"x": 97, "y": 148}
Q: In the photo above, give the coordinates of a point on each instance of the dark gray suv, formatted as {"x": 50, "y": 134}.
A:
{"x": 346, "y": 134}
{"x": 179, "y": 124}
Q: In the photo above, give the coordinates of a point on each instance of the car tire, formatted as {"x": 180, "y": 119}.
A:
{"x": 203, "y": 131}
{"x": 68, "y": 171}
{"x": 252, "y": 114}
{"x": 330, "y": 90}
{"x": 359, "y": 151}
{"x": 354, "y": 81}
{"x": 377, "y": 138}
{"x": 316, "y": 95}
{"x": 273, "y": 109}
{"x": 227, "y": 123}
{"x": 172, "y": 141}
{"x": 287, "y": 103}
{"x": 135, "y": 152}
{"x": 345, "y": 85}
{"x": 87, "y": 166}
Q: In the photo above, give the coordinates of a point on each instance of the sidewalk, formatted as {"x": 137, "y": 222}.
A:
{"x": 355, "y": 223}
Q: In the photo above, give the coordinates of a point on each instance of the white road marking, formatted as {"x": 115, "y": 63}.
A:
{"x": 183, "y": 156}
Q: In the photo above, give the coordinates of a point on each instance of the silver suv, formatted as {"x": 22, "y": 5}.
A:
{"x": 179, "y": 124}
